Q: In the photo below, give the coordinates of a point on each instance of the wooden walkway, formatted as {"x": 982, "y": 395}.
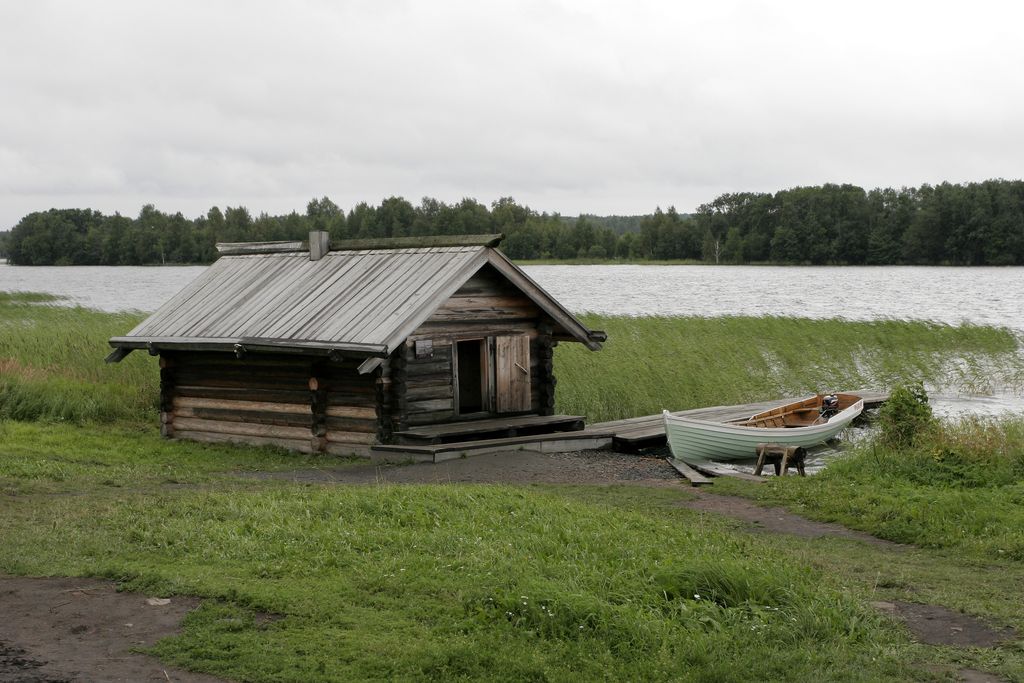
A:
{"x": 636, "y": 433}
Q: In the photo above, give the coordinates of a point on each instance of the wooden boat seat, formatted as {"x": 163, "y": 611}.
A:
{"x": 799, "y": 414}
{"x": 801, "y": 417}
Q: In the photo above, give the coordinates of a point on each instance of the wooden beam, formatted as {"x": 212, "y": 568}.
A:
{"x": 303, "y": 445}
{"x": 258, "y": 406}
{"x": 419, "y": 242}
{"x": 695, "y": 477}
{"x": 282, "y": 346}
{"x": 241, "y": 248}
{"x": 117, "y": 355}
{"x": 365, "y": 413}
{"x": 192, "y": 424}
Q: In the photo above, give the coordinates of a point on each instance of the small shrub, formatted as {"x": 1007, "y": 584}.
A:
{"x": 905, "y": 417}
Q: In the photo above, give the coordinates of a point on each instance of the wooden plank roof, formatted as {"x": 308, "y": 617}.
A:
{"x": 363, "y": 302}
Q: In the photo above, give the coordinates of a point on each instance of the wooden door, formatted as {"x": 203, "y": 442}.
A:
{"x": 512, "y": 373}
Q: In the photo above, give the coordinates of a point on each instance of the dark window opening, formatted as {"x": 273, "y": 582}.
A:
{"x": 470, "y": 367}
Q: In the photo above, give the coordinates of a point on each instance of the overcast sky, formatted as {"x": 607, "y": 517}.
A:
{"x": 566, "y": 106}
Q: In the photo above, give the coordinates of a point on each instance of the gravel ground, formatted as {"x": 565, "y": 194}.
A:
{"x": 514, "y": 467}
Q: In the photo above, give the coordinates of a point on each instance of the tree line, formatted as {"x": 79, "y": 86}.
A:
{"x": 955, "y": 224}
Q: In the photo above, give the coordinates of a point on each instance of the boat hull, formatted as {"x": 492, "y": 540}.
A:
{"x": 697, "y": 440}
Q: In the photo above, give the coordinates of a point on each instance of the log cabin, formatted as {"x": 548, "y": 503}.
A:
{"x": 336, "y": 347}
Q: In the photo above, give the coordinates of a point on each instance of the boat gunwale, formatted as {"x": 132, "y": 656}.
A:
{"x": 844, "y": 417}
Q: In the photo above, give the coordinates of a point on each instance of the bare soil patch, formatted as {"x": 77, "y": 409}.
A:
{"x": 777, "y": 520}
{"x": 937, "y": 625}
{"x": 54, "y": 630}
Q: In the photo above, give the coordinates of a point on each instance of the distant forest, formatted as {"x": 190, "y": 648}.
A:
{"x": 969, "y": 224}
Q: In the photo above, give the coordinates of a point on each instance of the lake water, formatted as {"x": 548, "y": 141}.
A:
{"x": 985, "y": 296}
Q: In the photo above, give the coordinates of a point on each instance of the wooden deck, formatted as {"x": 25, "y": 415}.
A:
{"x": 503, "y": 427}
{"x": 557, "y": 442}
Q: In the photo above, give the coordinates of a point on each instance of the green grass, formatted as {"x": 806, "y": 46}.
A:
{"x": 421, "y": 582}
{"x": 389, "y": 582}
{"x": 961, "y": 488}
{"x": 651, "y": 364}
{"x": 41, "y": 457}
{"x": 51, "y": 364}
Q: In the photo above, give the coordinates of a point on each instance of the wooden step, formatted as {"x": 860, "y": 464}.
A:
{"x": 558, "y": 442}
{"x": 502, "y": 427}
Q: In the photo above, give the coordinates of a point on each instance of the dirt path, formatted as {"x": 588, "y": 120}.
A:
{"x": 777, "y": 520}
{"x": 56, "y": 629}
{"x": 930, "y": 624}
{"x": 518, "y": 467}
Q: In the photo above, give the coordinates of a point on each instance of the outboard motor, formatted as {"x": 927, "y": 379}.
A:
{"x": 829, "y": 406}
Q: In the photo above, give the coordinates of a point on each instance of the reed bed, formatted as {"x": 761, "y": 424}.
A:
{"x": 655, "y": 363}
{"x": 51, "y": 362}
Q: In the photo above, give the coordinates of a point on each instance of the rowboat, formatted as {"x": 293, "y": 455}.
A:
{"x": 806, "y": 422}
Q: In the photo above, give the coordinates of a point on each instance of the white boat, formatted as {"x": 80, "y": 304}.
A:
{"x": 801, "y": 423}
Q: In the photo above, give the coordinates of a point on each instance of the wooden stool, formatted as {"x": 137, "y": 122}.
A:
{"x": 781, "y": 457}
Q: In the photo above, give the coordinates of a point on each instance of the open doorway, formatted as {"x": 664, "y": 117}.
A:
{"x": 471, "y": 360}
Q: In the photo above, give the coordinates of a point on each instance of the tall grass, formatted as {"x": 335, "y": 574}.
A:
{"x": 51, "y": 364}
{"x": 650, "y": 364}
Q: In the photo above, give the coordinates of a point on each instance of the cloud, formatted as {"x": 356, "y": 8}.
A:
{"x": 568, "y": 106}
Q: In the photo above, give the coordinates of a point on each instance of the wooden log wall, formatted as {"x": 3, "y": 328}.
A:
{"x": 423, "y": 390}
{"x": 351, "y": 415}
{"x": 543, "y": 369}
{"x": 216, "y": 397}
{"x": 289, "y": 401}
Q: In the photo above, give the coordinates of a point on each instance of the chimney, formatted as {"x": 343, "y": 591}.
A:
{"x": 319, "y": 244}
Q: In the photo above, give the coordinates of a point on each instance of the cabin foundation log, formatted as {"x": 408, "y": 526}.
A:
{"x": 301, "y": 445}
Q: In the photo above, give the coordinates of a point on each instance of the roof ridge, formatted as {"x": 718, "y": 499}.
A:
{"x": 367, "y": 244}
{"x": 418, "y": 242}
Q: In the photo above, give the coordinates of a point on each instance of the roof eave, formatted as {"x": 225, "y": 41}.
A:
{"x": 576, "y": 330}
{"x": 417, "y": 318}
{"x": 154, "y": 345}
